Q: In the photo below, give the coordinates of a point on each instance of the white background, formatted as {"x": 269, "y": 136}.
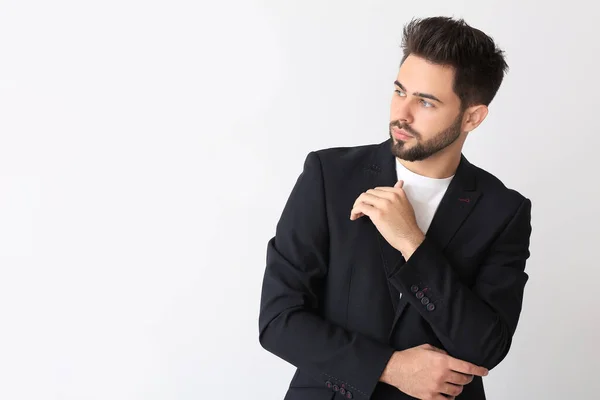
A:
{"x": 147, "y": 150}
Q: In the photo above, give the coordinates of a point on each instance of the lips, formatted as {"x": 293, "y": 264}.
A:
{"x": 401, "y": 133}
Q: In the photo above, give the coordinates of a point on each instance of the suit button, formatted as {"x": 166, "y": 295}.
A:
{"x": 414, "y": 288}
{"x": 328, "y": 384}
{"x": 348, "y": 395}
{"x": 425, "y": 300}
{"x": 420, "y": 295}
{"x": 336, "y": 388}
{"x": 342, "y": 391}
{"x": 430, "y": 307}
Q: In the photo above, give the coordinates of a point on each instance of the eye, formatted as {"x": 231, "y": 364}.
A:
{"x": 426, "y": 104}
{"x": 400, "y": 92}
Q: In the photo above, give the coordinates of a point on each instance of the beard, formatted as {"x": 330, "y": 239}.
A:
{"x": 424, "y": 149}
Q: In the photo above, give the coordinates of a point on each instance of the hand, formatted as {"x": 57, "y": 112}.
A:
{"x": 393, "y": 216}
{"x": 429, "y": 373}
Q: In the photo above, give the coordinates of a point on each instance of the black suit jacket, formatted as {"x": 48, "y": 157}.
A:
{"x": 337, "y": 299}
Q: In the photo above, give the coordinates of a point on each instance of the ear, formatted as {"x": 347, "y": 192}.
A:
{"x": 473, "y": 117}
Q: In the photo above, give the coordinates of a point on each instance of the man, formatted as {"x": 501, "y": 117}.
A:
{"x": 397, "y": 269}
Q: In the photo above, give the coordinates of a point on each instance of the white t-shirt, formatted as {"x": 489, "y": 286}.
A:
{"x": 424, "y": 194}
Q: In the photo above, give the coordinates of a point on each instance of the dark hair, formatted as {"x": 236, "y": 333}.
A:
{"x": 478, "y": 64}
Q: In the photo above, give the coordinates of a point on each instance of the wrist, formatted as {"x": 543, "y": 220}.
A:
{"x": 411, "y": 244}
{"x": 389, "y": 372}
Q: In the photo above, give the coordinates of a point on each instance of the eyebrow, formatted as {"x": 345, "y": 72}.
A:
{"x": 418, "y": 94}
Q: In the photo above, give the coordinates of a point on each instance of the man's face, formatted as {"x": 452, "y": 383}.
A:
{"x": 425, "y": 115}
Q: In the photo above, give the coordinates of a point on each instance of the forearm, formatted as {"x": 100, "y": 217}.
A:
{"x": 468, "y": 327}
{"x": 327, "y": 352}
{"x": 292, "y": 328}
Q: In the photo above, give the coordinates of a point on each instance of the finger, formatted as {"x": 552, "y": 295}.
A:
{"x": 451, "y": 389}
{"x": 364, "y": 198}
{"x": 399, "y": 184}
{"x": 466, "y": 367}
{"x": 355, "y": 216}
{"x": 362, "y": 208}
{"x": 373, "y": 200}
{"x": 369, "y": 197}
{"x": 386, "y": 189}
{"x": 396, "y": 190}
{"x": 389, "y": 194}
{"x": 459, "y": 379}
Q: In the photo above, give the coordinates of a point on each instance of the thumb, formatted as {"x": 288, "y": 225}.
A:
{"x": 399, "y": 184}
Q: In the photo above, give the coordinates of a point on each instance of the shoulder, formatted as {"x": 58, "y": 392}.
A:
{"x": 344, "y": 158}
{"x": 496, "y": 193}
{"x": 347, "y": 152}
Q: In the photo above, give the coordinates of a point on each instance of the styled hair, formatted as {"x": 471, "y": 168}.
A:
{"x": 478, "y": 63}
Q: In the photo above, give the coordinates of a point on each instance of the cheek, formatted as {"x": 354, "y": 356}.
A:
{"x": 431, "y": 122}
{"x": 426, "y": 122}
{"x": 430, "y": 116}
{"x": 394, "y": 105}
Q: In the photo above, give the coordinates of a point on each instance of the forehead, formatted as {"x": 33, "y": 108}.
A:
{"x": 418, "y": 75}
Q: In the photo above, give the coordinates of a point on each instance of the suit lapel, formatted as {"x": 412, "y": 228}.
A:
{"x": 380, "y": 170}
{"x": 458, "y": 201}
{"x": 456, "y": 205}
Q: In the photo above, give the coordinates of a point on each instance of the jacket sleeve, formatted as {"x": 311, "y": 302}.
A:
{"x": 476, "y": 323}
{"x": 290, "y": 324}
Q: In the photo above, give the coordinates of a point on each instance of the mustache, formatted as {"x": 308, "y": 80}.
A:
{"x": 405, "y": 127}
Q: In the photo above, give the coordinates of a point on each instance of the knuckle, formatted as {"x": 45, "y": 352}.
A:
{"x": 439, "y": 383}
{"x": 441, "y": 380}
{"x": 440, "y": 360}
{"x": 445, "y": 375}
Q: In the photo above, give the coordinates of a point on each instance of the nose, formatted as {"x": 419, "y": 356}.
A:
{"x": 401, "y": 111}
